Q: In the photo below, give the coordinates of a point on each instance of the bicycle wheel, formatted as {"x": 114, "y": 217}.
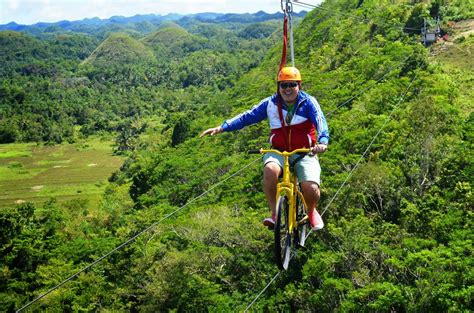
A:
{"x": 302, "y": 226}
{"x": 282, "y": 236}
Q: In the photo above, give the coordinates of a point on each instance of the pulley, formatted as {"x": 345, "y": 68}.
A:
{"x": 287, "y": 8}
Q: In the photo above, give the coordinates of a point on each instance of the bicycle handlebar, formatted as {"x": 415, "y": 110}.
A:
{"x": 261, "y": 151}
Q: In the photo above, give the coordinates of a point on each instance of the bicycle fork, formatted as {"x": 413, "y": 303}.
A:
{"x": 286, "y": 188}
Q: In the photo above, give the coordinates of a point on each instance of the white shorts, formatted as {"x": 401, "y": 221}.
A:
{"x": 306, "y": 169}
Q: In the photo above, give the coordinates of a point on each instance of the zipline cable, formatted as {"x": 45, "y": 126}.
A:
{"x": 368, "y": 147}
{"x": 345, "y": 181}
{"x": 369, "y": 86}
{"x": 135, "y": 237}
{"x": 261, "y": 292}
{"x": 370, "y": 144}
{"x": 319, "y": 7}
{"x": 288, "y": 11}
{"x": 350, "y": 174}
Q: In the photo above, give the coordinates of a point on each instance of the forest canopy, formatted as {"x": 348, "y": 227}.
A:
{"x": 397, "y": 178}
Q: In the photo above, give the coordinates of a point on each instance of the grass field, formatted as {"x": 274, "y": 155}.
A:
{"x": 455, "y": 55}
{"x": 30, "y": 172}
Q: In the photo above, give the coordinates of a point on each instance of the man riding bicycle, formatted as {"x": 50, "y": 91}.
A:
{"x": 296, "y": 121}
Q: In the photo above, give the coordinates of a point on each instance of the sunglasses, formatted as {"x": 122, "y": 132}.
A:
{"x": 288, "y": 85}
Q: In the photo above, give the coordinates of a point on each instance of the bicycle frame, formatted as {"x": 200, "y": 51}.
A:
{"x": 288, "y": 186}
{"x": 289, "y": 232}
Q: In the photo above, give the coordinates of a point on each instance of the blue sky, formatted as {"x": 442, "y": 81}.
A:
{"x": 33, "y": 11}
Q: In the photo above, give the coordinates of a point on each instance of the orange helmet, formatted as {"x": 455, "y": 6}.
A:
{"x": 289, "y": 73}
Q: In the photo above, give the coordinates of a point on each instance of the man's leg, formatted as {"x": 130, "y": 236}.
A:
{"x": 271, "y": 172}
{"x": 311, "y": 195}
{"x": 309, "y": 172}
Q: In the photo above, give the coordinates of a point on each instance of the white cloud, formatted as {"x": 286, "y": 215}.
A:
{"x": 13, "y": 4}
{"x": 51, "y": 12}
{"x": 32, "y": 11}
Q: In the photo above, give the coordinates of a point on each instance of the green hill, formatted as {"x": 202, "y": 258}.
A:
{"x": 57, "y": 86}
{"x": 16, "y": 41}
{"x": 120, "y": 48}
{"x": 171, "y": 40}
{"x": 167, "y": 35}
{"x": 18, "y": 50}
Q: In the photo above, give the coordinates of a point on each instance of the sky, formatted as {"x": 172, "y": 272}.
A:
{"x": 32, "y": 11}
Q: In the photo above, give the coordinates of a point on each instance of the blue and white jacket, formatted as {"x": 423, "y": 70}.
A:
{"x": 307, "y": 127}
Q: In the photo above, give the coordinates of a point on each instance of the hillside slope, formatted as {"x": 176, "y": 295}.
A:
{"x": 455, "y": 57}
{"x": 396, "y": 186}
{"x": 120, "y": 49}
{"x": 172, "y": 40}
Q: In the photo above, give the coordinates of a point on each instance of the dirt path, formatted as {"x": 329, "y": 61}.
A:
{"x": 462, "y": 28}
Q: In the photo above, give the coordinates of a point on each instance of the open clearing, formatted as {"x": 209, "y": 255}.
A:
{"x": 30, "y": 172}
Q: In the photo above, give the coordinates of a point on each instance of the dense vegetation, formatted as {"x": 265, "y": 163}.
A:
{"x": 58, "y": 80}
{"x": 399, "y": 232}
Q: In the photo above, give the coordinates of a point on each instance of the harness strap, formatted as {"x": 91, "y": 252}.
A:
{"x": 299, "y": 158}
{"x": 285, "y": 42}
{"x": 284, "y": 127}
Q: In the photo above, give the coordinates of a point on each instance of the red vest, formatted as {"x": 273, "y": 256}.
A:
{"x": 298, "y": 134}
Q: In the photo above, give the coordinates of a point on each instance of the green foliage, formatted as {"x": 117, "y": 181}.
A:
{"x": 257, "y": 30}
{"x": 399, "y": 231}
{"x": 456, "y": 9}
{"x": 29, "y": 237}
{"x": 57, "y": 81}
{"x": 9, "y": 132}
{"x": 180, "y": 131}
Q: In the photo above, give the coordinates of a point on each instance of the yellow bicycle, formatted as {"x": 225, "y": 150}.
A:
{"x": 291, "y": 218}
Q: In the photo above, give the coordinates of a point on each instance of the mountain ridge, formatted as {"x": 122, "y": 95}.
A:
{"x": 210, "y": 17}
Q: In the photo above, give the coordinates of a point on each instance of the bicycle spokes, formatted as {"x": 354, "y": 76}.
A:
{"x": 282, "y": 234}
{"x": 302, "y": 222}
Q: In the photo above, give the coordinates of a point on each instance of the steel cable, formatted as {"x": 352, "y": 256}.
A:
{"x": 345, "y": 181}
{"x": 132, "y": 239}
{"x": 135, "y": 237}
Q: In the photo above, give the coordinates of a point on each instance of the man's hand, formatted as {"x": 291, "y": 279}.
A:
{"x": 319, "y": 148}
{"x": 212, "y": 131}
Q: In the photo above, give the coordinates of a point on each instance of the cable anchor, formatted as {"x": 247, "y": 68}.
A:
{"x": 287, "y": 6}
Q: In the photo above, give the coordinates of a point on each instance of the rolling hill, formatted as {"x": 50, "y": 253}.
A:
{"x": 120, "y": 48}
